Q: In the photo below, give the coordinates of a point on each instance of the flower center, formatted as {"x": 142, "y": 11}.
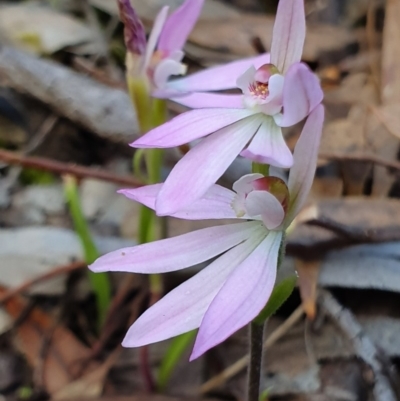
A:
{"x": 259, "y": 90}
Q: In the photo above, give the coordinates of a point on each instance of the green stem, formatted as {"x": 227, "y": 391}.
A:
{"x": 99, "y": 281}
{"x": 260, "y": 168}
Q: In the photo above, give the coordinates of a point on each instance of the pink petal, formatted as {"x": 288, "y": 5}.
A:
{"x": 175, "y": 253}
{"x": 201, "y": 167}
{"x": 179, "y": 25}
{"x": 155, "y": 34}
{"x": 288, "y": 35}
{"x": 242, "y": 297}
{"x": 305, "y": 162}
{"x": 209, "y": 100}
{"x": 265, "y": 204}
{"x": 269, "y": 147}
{"x": 215, "y": 204}
{"x": 190, "y": 126}
{"x": 301, "y": 94}
{"x": 183, "y": 308}
{"x": 217, "y": 78}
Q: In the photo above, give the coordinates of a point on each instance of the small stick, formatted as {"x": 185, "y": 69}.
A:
{"x": 67, "y": 168}
{"x": 241, "y": 363}
{"x": 363, "y": 346}
{"x": 46, "y": 276}
{"x": 360, "y": 157}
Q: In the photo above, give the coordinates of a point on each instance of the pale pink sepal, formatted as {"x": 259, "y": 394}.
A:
{"x": 288, "y": 34}
{"x": 190, "y": 126}
{"x": 217, "y": 78}
{"x": 210, "y": 100}
{"x": 188, "y": 182}
{"x": 266, "y": 205}
{"x": 155, "y": 34}
{"x": 305, "y": 162}
{"x": 179, "y": 25}
{"x": 175, "y": 253}
{"x": 302, "y": 92}
{"x": 182, "y": 309}
{"x": 242, "y": 297}
{"x": 215, "y": 204}
{"x": 268, "y": 146}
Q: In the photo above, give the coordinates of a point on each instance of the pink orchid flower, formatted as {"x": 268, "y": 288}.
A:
{"x": 232, "y": 290}
{"x": 161, "y": 56}
{"x": 274, "y": 96}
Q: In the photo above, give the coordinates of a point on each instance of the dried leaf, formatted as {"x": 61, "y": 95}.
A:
{"x": 65, "y": 354}
{"x": 41, "y": 29}
{"x": 308, "y": 278}
{"x": 385, "y": 143}
{"x": 218, "y": 36}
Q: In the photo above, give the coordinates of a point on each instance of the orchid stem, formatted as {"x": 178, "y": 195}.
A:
{"x": 150, "y": 113}
{"x": 260, "y": 168}
{"x": 256, "y": 350}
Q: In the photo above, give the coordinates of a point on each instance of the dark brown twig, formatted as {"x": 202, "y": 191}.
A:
{"x": 67, "y": 168}
{"x": 360, "y": 157}
{"x": 363, "y": 346}
{"x": 47, "y": 276}
{"x": 356, "y": 234}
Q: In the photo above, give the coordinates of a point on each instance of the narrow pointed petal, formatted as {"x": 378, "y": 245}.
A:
{"x": 175, "y": 253}
{"x": 305, "y": 162}
{"x": 182, "y": 309}
{"x": 155, "y": 34}
{"x": 265, "y": 204}
{"x": 179, "y": 25}
{"x": 217, "y": 78}
{"x": 269, "y": 147}
{"x": 210, "y": 100}
{"x": 242, "y": 297}
{"x": 190, "y": 126}
{"x": 288, "y": 34}
{"x": 302, "y": 92}
{"x": 215, "y": 204}
{"x": 201, "y": 167}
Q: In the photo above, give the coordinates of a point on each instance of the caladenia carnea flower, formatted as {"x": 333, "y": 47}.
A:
{"x": 232, "y": 290}
{"x": 274, "y": 95}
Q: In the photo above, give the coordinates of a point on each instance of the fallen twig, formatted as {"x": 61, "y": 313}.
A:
{"x": 46, "y": 276}
{"x": 358, "y": 234}
{"x": 360, "y": 157}
{"x": 67, "y": 168}
{"x": 105, "y": 111}
{"x": 240, "y": 364}
{"x": 363, "y": 346}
